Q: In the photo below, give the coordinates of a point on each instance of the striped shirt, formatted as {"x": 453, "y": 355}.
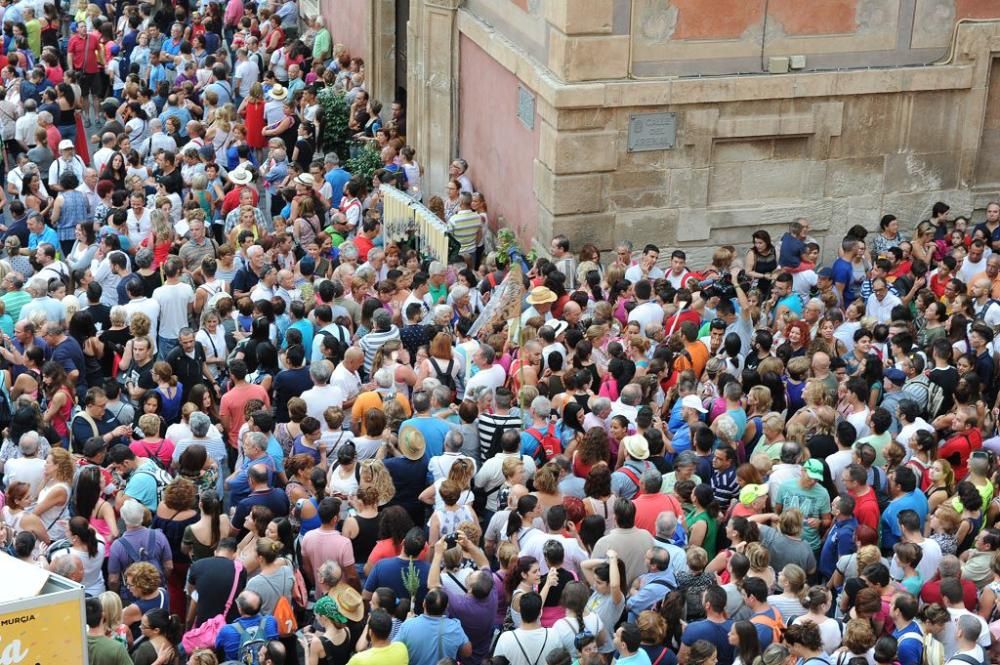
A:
{"x": 465, "y": 224}
{"x": 373, "y": 341}
{"x": 487, "y": 423}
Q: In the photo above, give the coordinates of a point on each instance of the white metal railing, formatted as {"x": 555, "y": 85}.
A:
{"x": 404, "y": 217}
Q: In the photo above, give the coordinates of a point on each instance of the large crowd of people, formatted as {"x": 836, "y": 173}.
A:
{"x": 256, "y": 430}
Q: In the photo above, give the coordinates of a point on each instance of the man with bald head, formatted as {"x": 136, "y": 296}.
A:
{"x": 102, "y": 156}
{"x": 571, "y": 314}
{"x": 985, "y": 307}
{"x": 820, "y": 368}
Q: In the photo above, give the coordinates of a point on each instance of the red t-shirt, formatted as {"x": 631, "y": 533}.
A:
{"x": 233, "y": 403}
{"x": 649, "y": 506}
{"x": 232, "y": 199}
{"x": 84, "y": 52}
{"x": 961, "y": 446}
{"x": 363, "y": 244}
{"x": 866, "y": 509}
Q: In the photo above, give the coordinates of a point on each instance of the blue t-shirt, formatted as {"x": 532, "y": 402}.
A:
{"x": 434, "y": 431}
{"x": 909, "y": 651}
{"x": 838, "y": 542}
{"x": 843, "y": 273}
{"x": 337, "y": 178}
{"x": 790, "y": 255}
{"x": 891, "y": 531}
{"x": 716, "y": 633}
{"x": 428, "y": 639}
{"x": 389, "y": 572}
{"x": 228, "y": 639}
{"x": 141, "y": 484}
{"x": 273, "y": 498}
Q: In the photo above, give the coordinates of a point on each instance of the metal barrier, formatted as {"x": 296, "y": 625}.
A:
{"x": 404, "y": 218}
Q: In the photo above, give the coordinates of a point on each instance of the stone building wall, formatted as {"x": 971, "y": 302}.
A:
{"x": 893, "y": 108}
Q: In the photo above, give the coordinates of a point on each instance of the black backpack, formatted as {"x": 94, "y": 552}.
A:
{"x": 444, "y": 377}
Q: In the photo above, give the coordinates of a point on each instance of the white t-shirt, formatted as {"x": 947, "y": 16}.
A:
{"x": 491, "y": 378}
{"x": 803, "y": 282}
{"x": 147, "y": 306}
{"x": 319, "y": 398}
{"x": 646, "y": 313}
{"x": 949, "y": 637}
{"x": 248, "y": 73}
{"x": 537, "y": 644}
{"x": 860, "y": 422}
{"x": 634, "y": 274}
{"x": 25, "y": 470}
{"x": 175, "y": 301}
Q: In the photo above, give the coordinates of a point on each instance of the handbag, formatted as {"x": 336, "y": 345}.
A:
{"x": 203, "y": 636}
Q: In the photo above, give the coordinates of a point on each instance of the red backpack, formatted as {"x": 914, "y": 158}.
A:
{"x": 549, "y": 444}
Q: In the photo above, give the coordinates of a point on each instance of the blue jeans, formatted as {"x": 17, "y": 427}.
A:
{"x": 165, "y": 346}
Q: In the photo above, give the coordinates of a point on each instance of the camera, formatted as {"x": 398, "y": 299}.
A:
{"x": 451, "y": 540}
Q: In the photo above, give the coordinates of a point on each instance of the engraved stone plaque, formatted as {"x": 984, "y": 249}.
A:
{"x": 652, "y": 131}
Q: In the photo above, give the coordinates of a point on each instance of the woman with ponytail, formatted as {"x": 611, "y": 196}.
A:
{"x": 160, "y": 641}
{"x": 818, "y": 602}
{"x": 519, "y": 520}
{"x": 274, "y": 578}
{"x": 792, "y": 580}
{"x": 201, "y": 538}
{"x": 85, "y": 545}
{"x": 170, "y": 390}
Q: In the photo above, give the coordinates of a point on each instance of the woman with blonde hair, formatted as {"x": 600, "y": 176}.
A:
{"x": 274, "y": 578}
{"x": 139, "y": 326}
{"x": 792, "y": 581}
{"x": 461, "y": 473}
{"x": 393, "y": 356}
{"x": 858, "y": 641}
{"x": 161, "y": 235}
{"x": 758, "y": 405}
{"x": 111, "y": 604}
{"x": 546, "y": 481}
{"x": 942, "y": 483}
{"x": 374, "y": 474}
{"x": 54, "y": 496}
{"x": 760, "y": 564}
{"x": 252, "y": 110}
{"x": 145, "y": 584}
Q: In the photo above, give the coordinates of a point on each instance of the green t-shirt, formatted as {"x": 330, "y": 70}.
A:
{"x": 106, "y": 651}
{"x": 878, "y": 442}
{"x": 321, "y": 44}
{"x": 812, "y": 502}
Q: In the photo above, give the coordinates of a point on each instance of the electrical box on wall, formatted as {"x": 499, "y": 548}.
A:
{"x": 777, "y": 65}
{"x": 797, "y": 62}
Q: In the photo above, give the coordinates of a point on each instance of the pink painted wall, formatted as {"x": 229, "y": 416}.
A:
{"x": 348, "y": 23}
{"x": 499, "y": 148}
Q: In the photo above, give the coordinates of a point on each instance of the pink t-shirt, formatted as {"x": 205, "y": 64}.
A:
{"x": 162, "y": 450}
{"x": 320, "y": 546}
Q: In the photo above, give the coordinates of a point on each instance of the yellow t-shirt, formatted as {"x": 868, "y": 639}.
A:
{"x": 394, "y": 654}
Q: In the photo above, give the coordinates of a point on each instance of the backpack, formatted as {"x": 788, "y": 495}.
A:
{"x": 548, "y": 446}
{"x": 935, "y": 400}
{"x": 143, "y": 553}
{"x": 154, "y": 457}
{"x": 161, "y": 477}
{"x": 777, "y": 624}
{"x": 633, "y": 476}
{"x": 881, "y": 495}
{"x": 340, "y": 343}
{"x": 283, "y": 612}
{"x": 248, "y": 653}
{"x": 446, "y": 378}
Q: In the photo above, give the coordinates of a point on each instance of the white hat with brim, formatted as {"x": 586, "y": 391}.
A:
{"x": 241, "y": 176}
{"x": 636, "y": 446}
{"x": 66, "y": 144}
{"x": 541, "y": 295}
{"x": 278, "y": 93}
